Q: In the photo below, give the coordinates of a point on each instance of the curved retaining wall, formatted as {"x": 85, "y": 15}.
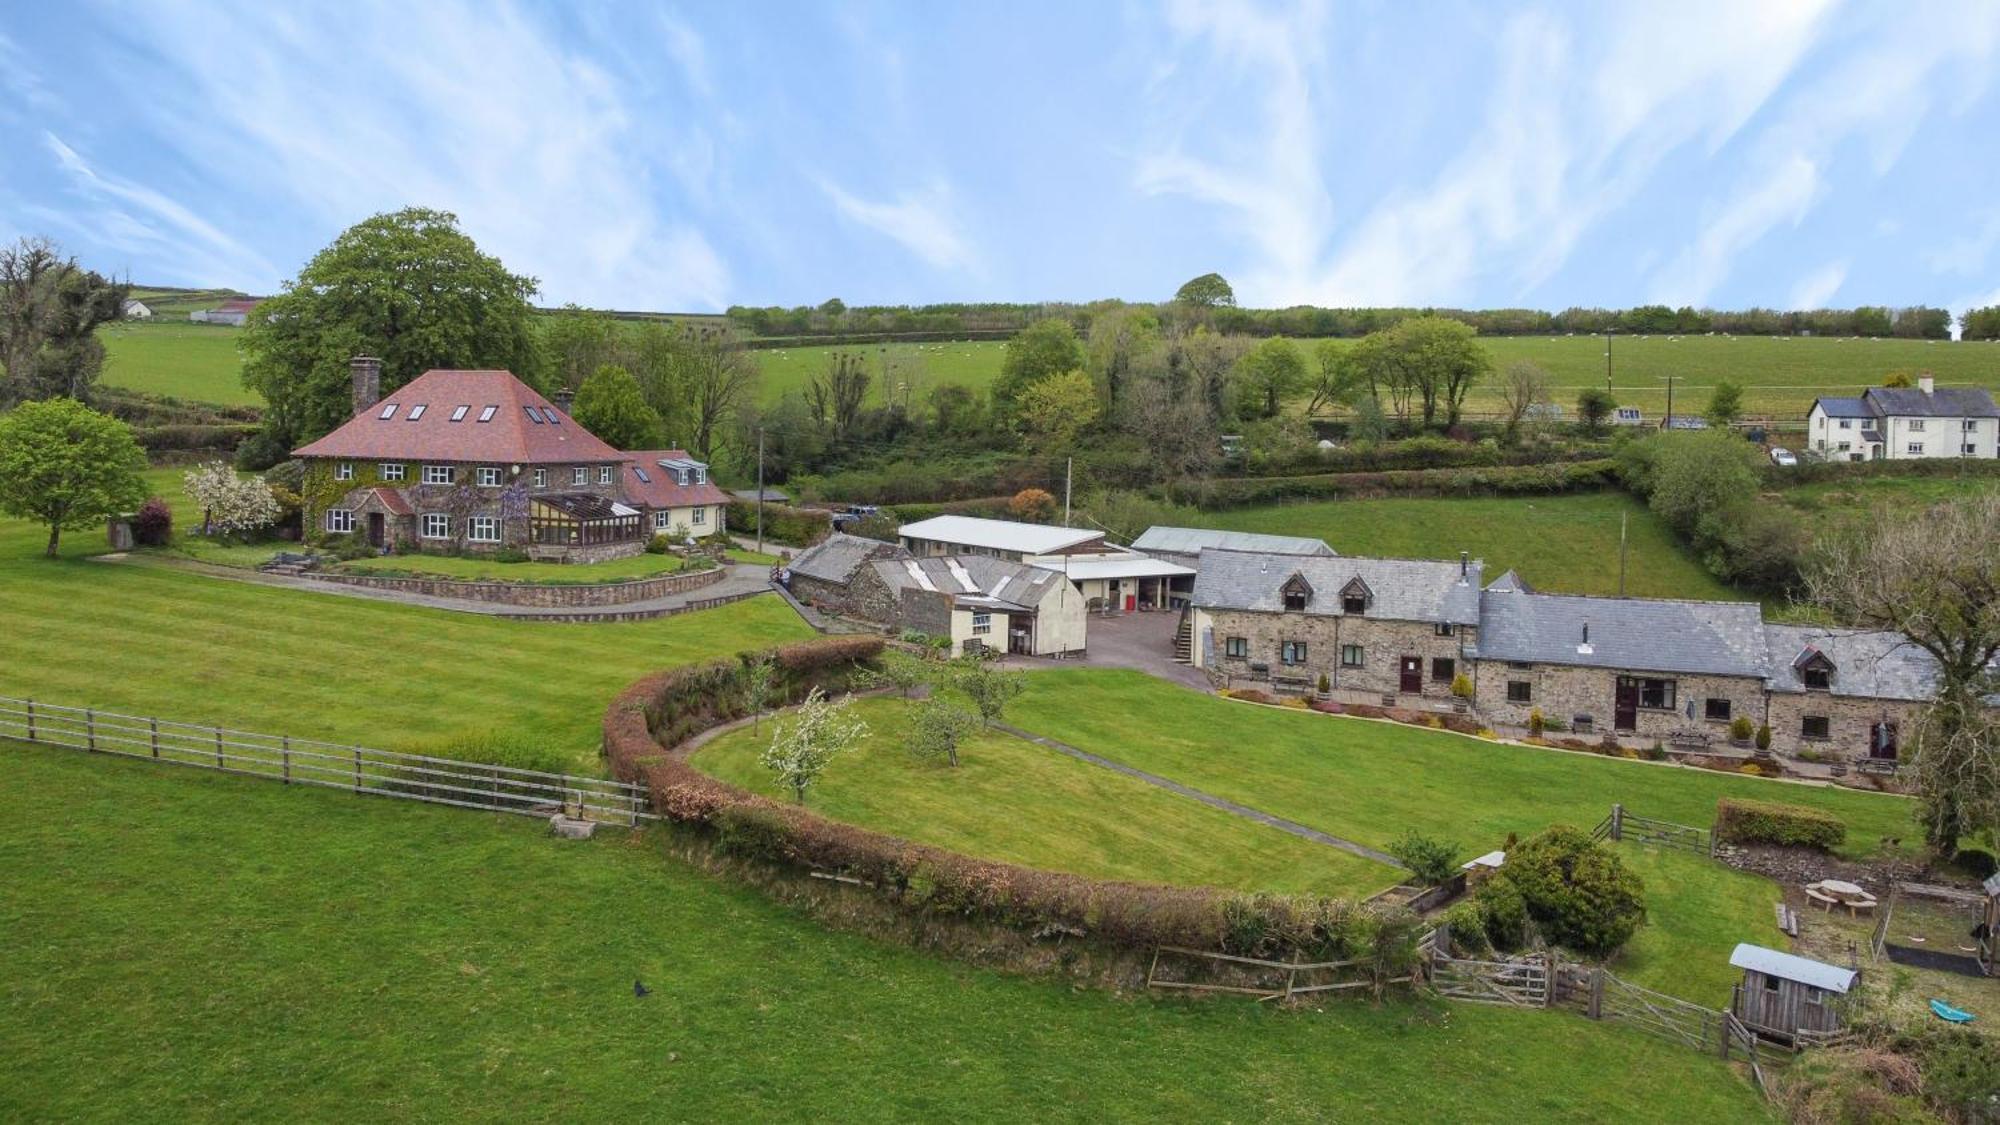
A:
{"x": 537, "y": 595}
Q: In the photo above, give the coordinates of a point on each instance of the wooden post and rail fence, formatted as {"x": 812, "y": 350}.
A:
{"x": 299, "y": 761}
{"x": 1623, "y": 825}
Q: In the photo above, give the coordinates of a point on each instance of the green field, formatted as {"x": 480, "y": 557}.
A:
{"x": 1012, "y": 800}
{"x": 1696, "y": 912}
{"x": 156, "y": 641}
{"x": 1563, "y": 544}
{"x": 197, "y": 362}
{"x": 190, "y": 946}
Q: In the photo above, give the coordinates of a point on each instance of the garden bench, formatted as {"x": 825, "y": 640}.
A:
{"x": 1827, "y": 901}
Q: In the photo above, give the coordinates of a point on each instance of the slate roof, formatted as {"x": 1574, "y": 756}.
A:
{"x": 1843, "y": 408}
{"x": 999, "y": 535}
{"x": 838, "y": 556}
{"x": 1191, "y": 541}
{"x": 656, "y": 485}
{"x": 522, "y": 428}
{"x": 1404, "y": 589}
{"x": 1867, "y": 664}
{"x": 1634, "y": 634}
{"x": 972, "y": 581}
{"x": 1943, "y": 402}
{"x": 1511, "y": 582}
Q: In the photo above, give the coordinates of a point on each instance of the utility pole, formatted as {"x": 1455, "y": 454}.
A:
{"x": 1607, "y": 362}
{"x": 760, "y": 490}
{"x": 1069, "y": 467}
{"x": 1668, "y": 421}
{"x": 1621, "y": 553}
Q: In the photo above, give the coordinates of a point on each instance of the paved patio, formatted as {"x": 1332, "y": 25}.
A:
{"x": 1143, "y": 642}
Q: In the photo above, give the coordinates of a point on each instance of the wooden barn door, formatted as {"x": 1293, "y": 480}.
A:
{"x": 1625, "y": 710}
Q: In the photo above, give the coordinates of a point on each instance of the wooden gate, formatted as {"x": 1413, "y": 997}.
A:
{"x": 1515, "y": 984}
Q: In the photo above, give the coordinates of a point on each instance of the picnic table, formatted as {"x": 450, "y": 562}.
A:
{"x": 1839, "y": 892}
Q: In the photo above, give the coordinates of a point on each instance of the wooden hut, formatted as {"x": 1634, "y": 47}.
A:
{"x": 1787, "y": 997}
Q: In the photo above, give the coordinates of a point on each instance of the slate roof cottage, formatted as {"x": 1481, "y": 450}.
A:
{"x": 478, "y": 461}
{"x": 1901, "y": 423}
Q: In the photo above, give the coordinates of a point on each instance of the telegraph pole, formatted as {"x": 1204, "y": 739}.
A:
{"x": 1668, "y": 421}
{"x": 760, "y": 490}
{"x": 1069, "y": 467}
{"x": 1607, "y": 362}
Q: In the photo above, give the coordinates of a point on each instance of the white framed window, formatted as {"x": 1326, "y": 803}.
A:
{"x": 390, "y": 470}
{"x": 1968, "y": 449}
{"x": 1236, "y": 648}
{"x": 1847, "y": 423}
{"x": 1916, "y": 425}
{"x": 1844, "y": 446}
{"x": 440, "y": 474}
{"x": 483, "y": 529}
{"x": 340, "y": 521}
{"x": 1972, "y": 425}
{"x": 388, "y": 411}
{"x": 604, "y": 474}
{"x": 344, "y": 471}
{"x": 458, "y": 413}
{"x": 1350, "y": 656}
{"x": 701, "y": 516}
{"x": 437, "y": 525}
{"x": 541, "y": 478}
{"x": 982, "y": 623}
{"x": 1914, "y": 447}
{"x": 579, "y": 475}
{"x": 489, "y": 476}
{"x": 417, "y": 411}
{"x": 663, "y": 520}
{"x": 1292, "y": 652}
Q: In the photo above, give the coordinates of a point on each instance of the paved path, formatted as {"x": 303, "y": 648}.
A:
{"x": 1209, "y": 799}
{"x": 743, "y": 580}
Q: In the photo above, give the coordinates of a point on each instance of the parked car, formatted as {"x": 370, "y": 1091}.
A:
{"x": 1782, "y": 456}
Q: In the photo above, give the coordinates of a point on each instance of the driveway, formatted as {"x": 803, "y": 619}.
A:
{"x": 1140, "y": 641}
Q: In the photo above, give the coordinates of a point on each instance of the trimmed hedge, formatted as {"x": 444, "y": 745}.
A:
{"x": 1519, "y": 480}
{"x": 1742, "y": 820}
{"x": 798, "y": 527}
{"x": 665, "y": 710}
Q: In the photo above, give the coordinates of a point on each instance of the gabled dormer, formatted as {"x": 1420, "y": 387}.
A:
{"x": 1814, "y": 669}
{"x": 1297, "y": 593}
{"x": 1355, "y": 597}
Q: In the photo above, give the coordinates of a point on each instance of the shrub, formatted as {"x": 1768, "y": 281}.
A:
{"x": 753, "y": 832}
{"x": 1461, "y": 686}
{"x": 1740, "y": 728}
{"x": 1503, "y": 912}
{"x": 1536, "y": 723}
{"x": 799, "y": 527}
{"x": 1751, "y": 768}
{"x": 1741, "y": 820}
{"x": 510, "y": 555}
{"x": 1764, "y": 737}
{"x": 350, "y": 547}
{"x": 1468, "y": 929}
{"x": 1431, "y": 861}
{"x": 1251, "y": 695}
{"x": 1575, "y": 889}
{"x": 153, "y": 524}
{"x": 1325, "y": 685}
{"x": 659, "y": 545}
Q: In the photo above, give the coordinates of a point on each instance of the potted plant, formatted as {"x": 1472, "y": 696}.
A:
{"x": 1461, "y": 692}
{"x": 1740, "y": 730}
{"x": 1325, "y": 686}
{"x": 1536, "y": 723}
{"x": 1764, "y": 739}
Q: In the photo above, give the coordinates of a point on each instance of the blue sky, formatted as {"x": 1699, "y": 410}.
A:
{"x": 641, "y": 156}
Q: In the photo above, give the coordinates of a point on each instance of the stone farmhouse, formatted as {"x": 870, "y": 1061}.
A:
{"x": 478, "y": 461}
{"x": 976, "y": 601}
{"x": 1905, "y": 423}
{"x": 1643, "y": 671}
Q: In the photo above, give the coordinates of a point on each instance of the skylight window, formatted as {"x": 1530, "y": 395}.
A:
{"x": 388, "y": 412}
{"x": 534, "y": 415}
{"x": 458, "y": 413}
{"x": 486, "y": 413}
{"x": 642, "y": 475}
{"x": 554, "y": 417}
{"x": 417, "y": 411}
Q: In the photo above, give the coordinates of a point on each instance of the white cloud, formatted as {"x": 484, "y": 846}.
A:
{"x": 1784, "y": 195}
{"x": 1967, "y": 254}
{"x": 1816, "y": 289}
{"x": 475, "y": 109}
{"x": 919, "y": 221}
{"x": 163, "y": 224}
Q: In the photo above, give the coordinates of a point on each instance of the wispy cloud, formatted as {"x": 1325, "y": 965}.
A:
{"x": 1816, "y": 289}
{"x": 161, "y": 222}
{"x": 1783, "y": 196}
{"x": 921, "y": 222}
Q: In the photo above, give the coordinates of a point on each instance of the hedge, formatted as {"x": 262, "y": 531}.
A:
{"x": 1741, "y": 820}
{"x": 183, "y": 437}
{"x": 1517, "y": 480}
{"x": 664, "y": 710}
{"x": 798, "y": 527}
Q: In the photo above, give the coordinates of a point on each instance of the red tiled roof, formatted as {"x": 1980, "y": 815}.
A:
{"x": 393, "y": 500}
{"x": 241, "y": 304}
{"x": 508, "y": 436}
{"x": 662, "y": 489}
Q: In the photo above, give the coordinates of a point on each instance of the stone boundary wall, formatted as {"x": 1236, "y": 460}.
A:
{"x": 542, "y": 596}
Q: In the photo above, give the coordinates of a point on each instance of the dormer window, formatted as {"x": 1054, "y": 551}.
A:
{"x": 681, "y": 476}
{"x": 1297, "y": 593}
{"x": 417, "y": 411}
{"x": 388, "y": 411}
{"x": 1817, "y": 678}
{"x": 458, "y": 413}
{"x": 1815, "y": 670}
{"x": 1355, "y": 596}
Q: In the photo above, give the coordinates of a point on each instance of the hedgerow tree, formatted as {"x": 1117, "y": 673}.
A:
{"x": 1934, "y": 577}
{"x": 1209, "y": 290}
{"x": 228, "y": 502}
{"x": 1033, "y": 505}
{"x": 407, "y": 286}
{"x": 49, "y": 312}
{"x": 1044, "y": 348}
{"x": 1593, "y": 407}
{"x": 1267, "y": 374}
{"x": 1725, "y": 404}
{"x": 801, "y": 750}
{"x": 66, "y": 466}
{"x": 1055, "y": 410}
{"x": 611, "y": 405}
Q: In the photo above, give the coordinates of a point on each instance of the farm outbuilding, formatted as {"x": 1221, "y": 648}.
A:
{"x": 1787, "y": 996}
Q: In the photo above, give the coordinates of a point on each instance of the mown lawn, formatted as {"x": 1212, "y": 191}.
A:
{"x": 1012, "y": 800}
{"x": 191, "y": 946}
{"x": 1561, "y": 544}
{"x": 473, "y": 569}
{"x": 155, "y": 641}
{"x": 1697, "y": 910}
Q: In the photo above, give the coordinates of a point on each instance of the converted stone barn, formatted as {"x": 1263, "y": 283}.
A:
{"x": 472, "y": 461}
{"x": 1379, "y": 630}
{"x": 1844, "y": 694}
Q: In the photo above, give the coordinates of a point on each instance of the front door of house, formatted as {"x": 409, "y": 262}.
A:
{"x": 1412, "y": 679}
{"x": 375, "y": 529}
{"x": 1625, "y": 710}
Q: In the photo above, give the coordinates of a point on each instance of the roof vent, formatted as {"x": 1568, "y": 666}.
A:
{"x": 1584, "y": 649}
{"x": 1926, "y": 384}
{"x": 1464, "y": 565}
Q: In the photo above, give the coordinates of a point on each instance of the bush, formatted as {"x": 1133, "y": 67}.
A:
{"x": 1763, "y": 737}
{"x": 153, "y": 524}
{"x": 797, "y": 527}
{"x": 1576, "y": 890}
{"x": 1468, "y": 930}
{"x": 510, "y": 555}
{"x": 1744, "y": 821}
{"x": 350, "y": 547}
{"x": 1503, "y": 912}
{"x": 1536, "y": 723}
{"x": 1431, "y": 861}
{"x": 659, "y": 545}
{"x": 1740, "y": 728}
{"x": 1461, "y": 686}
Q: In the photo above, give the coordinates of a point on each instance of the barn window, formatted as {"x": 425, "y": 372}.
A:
{"x": 1443, "y": 669}
{"x": 1715, "y": 708}
{"x": 1236, "y": 647}
{"x": 1815, "y": 726}
{"x": 1520, "y": 691}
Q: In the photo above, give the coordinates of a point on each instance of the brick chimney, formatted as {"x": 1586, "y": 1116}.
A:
{"x": 367, "y": 372}
{"x": 1925, "y": 383}
{"x": 562, "y": 399}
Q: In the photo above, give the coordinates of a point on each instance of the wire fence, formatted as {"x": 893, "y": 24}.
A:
{"x": 298, "y": 761}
